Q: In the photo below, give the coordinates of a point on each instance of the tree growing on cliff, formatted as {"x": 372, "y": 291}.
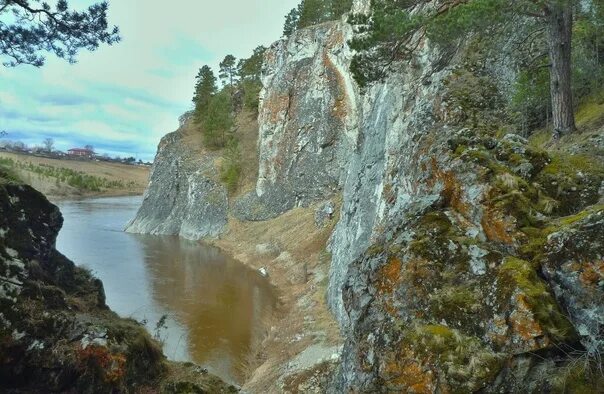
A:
{"x": 389, "y": 34}
{"x": 291, "y": 21}
{"x": 251, "y": 68}
{"x": 205, "y": 89}
{"x": 312, "y": 12}
{"x": 228, "y": 70}
{"x": 28, "y": 28}
{"x": 218, "y": 120}
{"x": 250, "y": 72}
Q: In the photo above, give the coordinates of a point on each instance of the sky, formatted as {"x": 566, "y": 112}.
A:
{"x": 122, "y": 99}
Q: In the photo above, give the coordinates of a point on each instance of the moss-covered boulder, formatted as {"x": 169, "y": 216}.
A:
{"x": 496, "y": 286}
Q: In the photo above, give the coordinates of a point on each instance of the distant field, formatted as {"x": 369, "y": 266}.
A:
{"x": 72, "y": 178}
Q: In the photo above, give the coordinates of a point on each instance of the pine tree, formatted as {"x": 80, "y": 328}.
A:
{"x": 218, "y": 120}
{"x": 313, "y": 12}
{"x": 251, "y": 68}
{"x": 250, "y": 72}
{"x": 30, "y": 28}
{"x": 291, "y": 21}
{"x": 337, "y": 8}
{"x": 228, "y": 70}
{"x": 385, "y": 37}
{"x": 205, "y": 89}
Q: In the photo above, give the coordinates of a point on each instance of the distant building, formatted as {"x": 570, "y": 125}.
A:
{"x": 80, "y": 152}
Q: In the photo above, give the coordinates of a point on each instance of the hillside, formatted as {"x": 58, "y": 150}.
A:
{"x": 427, "y": 233}
{"x": 76, "y": 178}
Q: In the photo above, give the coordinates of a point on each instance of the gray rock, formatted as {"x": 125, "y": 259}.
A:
{"x": 269, "y": 250}
{"x": 307, "y": 122}
{"x": 252, "y": 207}
{"x": 324, "y": 213}
{"x": 575, "y": 269}
{"x": 184, "y": 196}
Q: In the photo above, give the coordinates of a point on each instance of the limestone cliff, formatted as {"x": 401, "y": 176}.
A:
{"x": 307, "y": 122}
{"x": 466, "y": 258}
{"x": 184, "y": 196}
{"x": 56, "y": 333}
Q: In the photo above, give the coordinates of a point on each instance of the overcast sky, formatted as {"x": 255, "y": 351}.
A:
{"x": 123, "y": 99}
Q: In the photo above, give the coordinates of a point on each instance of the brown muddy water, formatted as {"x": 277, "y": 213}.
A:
{"x": 215, "y": 306}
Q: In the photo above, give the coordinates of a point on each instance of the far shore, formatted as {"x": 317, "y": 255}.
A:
{"x": 61, "y": 179}
{"x": 89, "y": 196}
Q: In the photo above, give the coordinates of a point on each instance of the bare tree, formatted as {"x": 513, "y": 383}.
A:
{"x": 49, "y": 144}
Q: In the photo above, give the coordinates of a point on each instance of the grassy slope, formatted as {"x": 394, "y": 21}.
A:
{"x": 127, "y": 179}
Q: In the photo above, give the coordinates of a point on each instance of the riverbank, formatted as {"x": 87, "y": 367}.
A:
{"x": 68, "y": 179}
{"x": 301, "y": 346}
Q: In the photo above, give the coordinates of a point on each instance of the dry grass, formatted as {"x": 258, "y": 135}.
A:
{"x": 247, "y": 133}
{"x": 135, "y": 177}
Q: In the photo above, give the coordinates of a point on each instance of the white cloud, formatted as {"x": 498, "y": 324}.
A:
{"x": 132, "y": 93}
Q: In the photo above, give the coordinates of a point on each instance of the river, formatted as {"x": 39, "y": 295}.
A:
{"x": 215, "y": 306}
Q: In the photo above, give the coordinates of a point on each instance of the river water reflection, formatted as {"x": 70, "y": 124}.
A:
{"x": 215, "y": 305}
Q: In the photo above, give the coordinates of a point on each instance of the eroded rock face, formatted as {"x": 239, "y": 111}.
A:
{"x": 435, "y": 274}
{"x": 184, "y": 196}
{"x": 307, "y": 122}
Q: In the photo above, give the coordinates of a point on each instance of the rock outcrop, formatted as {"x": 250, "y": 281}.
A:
{"x": 307, "y": 122}
{"x": 465, "y": 258}
{"x": 184, "y": 196}
{"x": 56, "y": 333}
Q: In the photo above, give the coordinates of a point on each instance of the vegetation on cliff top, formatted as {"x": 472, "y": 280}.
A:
{"x": 216, "y": 108}
{"x": 395, "y": 29}
{"x": 312, "y": 12}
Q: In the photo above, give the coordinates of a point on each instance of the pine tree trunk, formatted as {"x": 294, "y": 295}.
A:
{"x": 559, "y": 27}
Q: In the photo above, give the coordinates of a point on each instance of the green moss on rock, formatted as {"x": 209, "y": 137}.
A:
{"x": 517, "y": 278}
{"x": 467, "y": 363}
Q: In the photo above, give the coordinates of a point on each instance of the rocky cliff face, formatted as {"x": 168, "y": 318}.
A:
{"x": 307, "y": 122}
{"x": 465, "y": 258}
{"x": 184, "y": 196}
{"x": 56, "y": 333}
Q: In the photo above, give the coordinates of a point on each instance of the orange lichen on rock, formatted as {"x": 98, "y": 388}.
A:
{"x": 525, "y": 325}
{"x": 389, "y": 275}
{"x": 335, "y": 39}
{"x": 497, "y": 227}
{"x": 99, "y": 360}
{"x": 408, "y": 375}
{"x": 592, "y": 273}
{"x": 452, "y": 192}
{"x": 275, "y": 106}
{"x": 340, "y": 108}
